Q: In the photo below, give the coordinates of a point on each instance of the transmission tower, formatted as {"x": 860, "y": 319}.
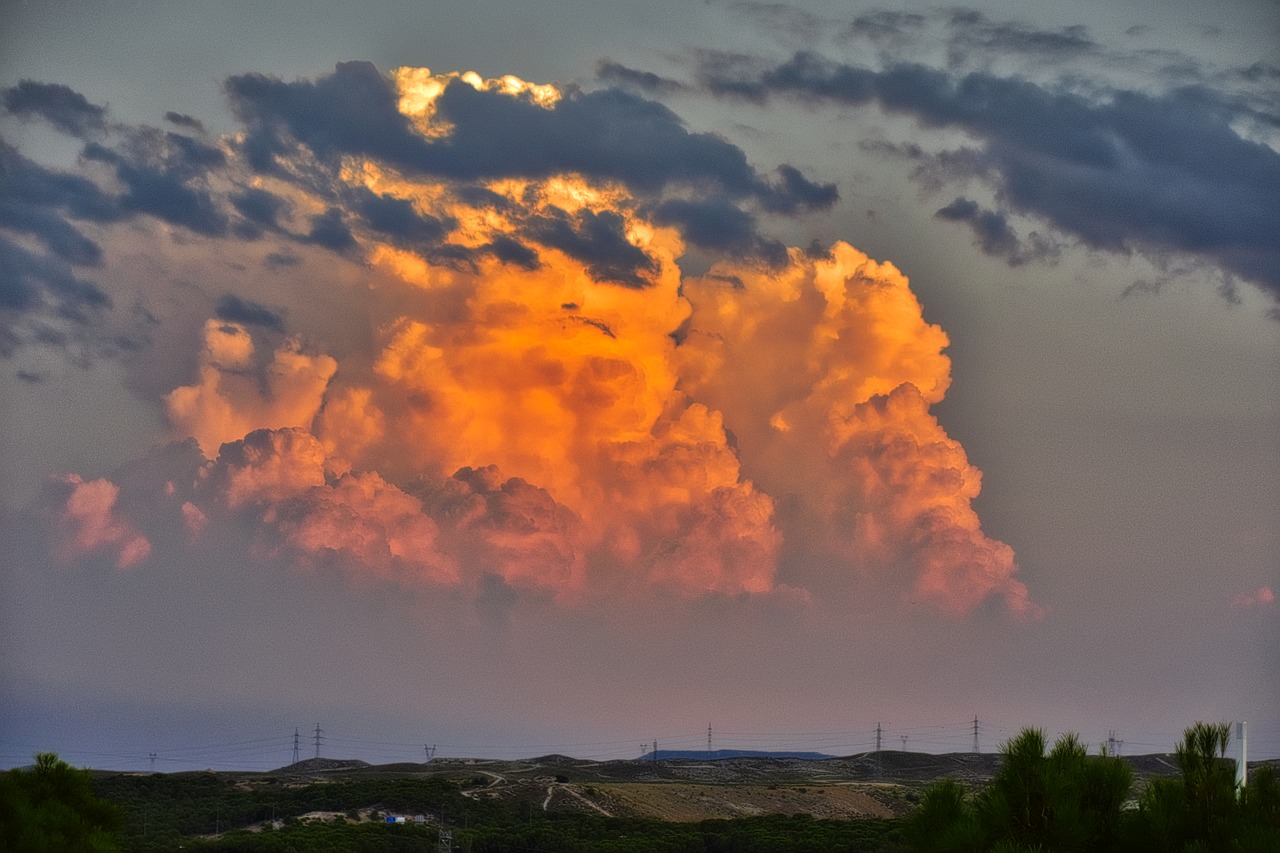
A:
{"x": 877, "y": 737}
{"x": 444, "y": 842}
{"x": 317, "y": 738}
{"x": 296, "y": 756}
{"x": 708, "y": 740}
{"x": 975, "y": 733}
{"x": 153, "y": 762}
{"x": 655, "y": 752}
{"x": 904, "y": 741}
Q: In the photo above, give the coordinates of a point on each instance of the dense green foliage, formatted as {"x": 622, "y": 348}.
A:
{"x": 51, "y": 807}
{"x": 1066, "y": 800}
{"x": 161, "y": 809}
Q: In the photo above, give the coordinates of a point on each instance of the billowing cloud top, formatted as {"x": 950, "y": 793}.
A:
{"x": 455, "y": 347}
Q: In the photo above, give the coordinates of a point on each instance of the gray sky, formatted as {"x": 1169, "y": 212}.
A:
{"x": 512, "y": 424}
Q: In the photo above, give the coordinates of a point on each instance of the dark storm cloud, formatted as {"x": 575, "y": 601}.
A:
{"x": 599, "y": 240}
{"x": 26, "y": 183}
{"x": 233, "y": 309}
{"x": 38, "y": 292}
{"x": 991, "y": 228}
{"x": 397, "y": 218}
{"x": 329, "y": 230}
{"x": 1125, "y": 171}
{"x": 352, "y": 111}
{"x": 183, "y": 120}
{"x": 604, "y": 135}
{"x": 167, "y": 197}
{"x": 796, "y": 192}
{"x": 61, "y": 106}
{"x": 59, "y": 236}
{"x": 259, "y": 206}
{"x": 719, "y": 226}
{"x": 163, "y": 174}
{"x": 511, "y": 251}
{"x": 192, "y": 155}
{"x": 615, "y": 74}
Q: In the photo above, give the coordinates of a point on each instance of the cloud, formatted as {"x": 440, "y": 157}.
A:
{"x": 61, "y": 106}
{"x": 88, "y": 522}
{"x": 884, "y": 24}
{"x": 233, "y": 309}
{"x": 1120, "y": 170}
{"x": 973, "y": 31}
{"x": 260, "y": 206}
{"x": 836, "y": 424}
{"x": 234, "y": 395}
{"x": 1263, "y": 596}
{"x": 461, "y": 128}
{"x": 596, "y": 239}
{"x": 995, "y": 236}
{"x": 646, "y": 81}
{"x": 497, "y": 379}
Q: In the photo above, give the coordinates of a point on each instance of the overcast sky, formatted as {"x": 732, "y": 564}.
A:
{"x": 560, "y": 376}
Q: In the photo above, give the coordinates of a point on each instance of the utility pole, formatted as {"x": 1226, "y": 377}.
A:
{"x": 317, "y": 737}
{"x": 1242, "y": 766}
{"x": 295, "y": 745}
{"x": 975, "y": 733}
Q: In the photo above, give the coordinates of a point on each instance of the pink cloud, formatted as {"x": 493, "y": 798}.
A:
{"x": 89, "y": 522}
{"x": 1263, "y": 596}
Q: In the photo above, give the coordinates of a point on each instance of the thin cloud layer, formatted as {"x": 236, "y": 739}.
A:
{"x": 523, "y": 392}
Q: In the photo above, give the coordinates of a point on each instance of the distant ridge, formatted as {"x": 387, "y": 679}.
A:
{"x": 314, "y": 765}
{"x": 718, "y": 754}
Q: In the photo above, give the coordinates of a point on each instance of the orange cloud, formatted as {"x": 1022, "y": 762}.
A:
{"x": 543, "y": 397}
{"x": 233, "y": 397}
{"x": 825, "y": 374}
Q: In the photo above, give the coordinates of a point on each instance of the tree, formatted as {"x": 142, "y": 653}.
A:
{"x": 1203, "y": 809}
{"x": 51, "y": 807}
{"x": 1065, "y": 800}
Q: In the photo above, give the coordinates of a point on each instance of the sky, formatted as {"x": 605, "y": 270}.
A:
{"x": 566, "y": 376}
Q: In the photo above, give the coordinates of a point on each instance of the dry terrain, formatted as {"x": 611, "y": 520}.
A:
{"x": 878, "y": 784}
